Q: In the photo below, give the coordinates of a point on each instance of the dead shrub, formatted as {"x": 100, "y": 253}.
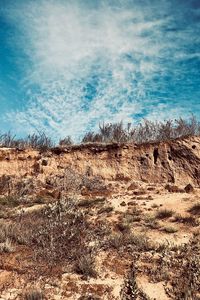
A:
{"x": 67, "y": 141}
{"x": 85, "y": 265}
{"x": 147, "y": 131}
{"x": 130, "y": 289}
{"x": 59, "y": 232}
{"x": 38, "y": 141}
{"x": 184, "y": 264}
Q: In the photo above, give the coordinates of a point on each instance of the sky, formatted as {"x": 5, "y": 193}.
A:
{"x": 68, "y": 65}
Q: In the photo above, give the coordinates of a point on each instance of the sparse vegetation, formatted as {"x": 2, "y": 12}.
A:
{"x": 164, "y": 213}
{"x": 9, "y": 201}
{"x": 139, "y": 241}
{"x": 85, "y": 265}
{"x": 33, "y": 294}
{"x": 67, "y": 141}
{"x": 195, "y": 209}
{"x": 148, "y": 131}
{"x": 188, "y": 220}
{"x": 170, "y": 229}
{"x": 106, "y": 209}
{"x": 130, "y": 289}
{"x": 37, "y": 141}
{"x": 145, "y": 132}
{"x": 6, "y": 246}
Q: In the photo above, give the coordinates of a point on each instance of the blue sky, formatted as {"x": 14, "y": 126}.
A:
{"x": 67, "y": 65}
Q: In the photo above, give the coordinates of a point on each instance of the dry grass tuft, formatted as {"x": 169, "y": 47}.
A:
{"x": 164, "y": 213}
{"x": 195, "y": 209}
{"x": 33, "y": 294}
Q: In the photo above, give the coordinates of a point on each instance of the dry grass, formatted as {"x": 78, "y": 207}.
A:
{"x": 188, "y": 220}
{"x": 33, "y": 294}
{"x": 10, "y": 201}
{"x": 106, "y": 209}
{"x": 170, "y": 229}
{"x": 164, "y": 214}
{"x": 7, "y": 246}
{"x": 86, "y": 203}
{"x": 195, "y": 209}
{"x": 85, "y": 265}
{"x": 136, "y": 242}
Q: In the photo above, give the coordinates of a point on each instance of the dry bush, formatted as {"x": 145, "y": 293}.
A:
{"x": 164, "y": 213}
{"x": 185, "y": 264}
{"x": 145, "y": 132}
{"x": 70, "y": 181}
{"x": 18, "y": 191}
{"x": 9, "y": 141}
{"x": 130, "y": 289}
{"x": 37, "y": 141}
{"x": 123, "y": 226}
{"x": 67, "y": 181}
{"x": 60, "y": 231}
{"x": 151, "y": 222}
{"x": 59, "y": 236}
{"x": 179, "y": 267}
{"x": 67, "y": 141}
{"x": 85, "y": 265}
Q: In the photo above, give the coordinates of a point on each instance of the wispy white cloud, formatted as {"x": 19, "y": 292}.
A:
{"x": 88, "y": 63}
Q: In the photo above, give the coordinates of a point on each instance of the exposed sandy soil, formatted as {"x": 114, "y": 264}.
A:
{"x": 120, "y": 198}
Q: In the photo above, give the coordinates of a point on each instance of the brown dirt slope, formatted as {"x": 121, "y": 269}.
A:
{"x": 175, "y": 161}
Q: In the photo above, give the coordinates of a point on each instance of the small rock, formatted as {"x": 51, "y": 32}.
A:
{"x": 189, "y": 188}
{"x": 133, "y": 186}
{"x": 44, "y": 162}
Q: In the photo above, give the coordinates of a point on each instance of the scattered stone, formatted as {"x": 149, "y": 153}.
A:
{"x": 189, "y": 188}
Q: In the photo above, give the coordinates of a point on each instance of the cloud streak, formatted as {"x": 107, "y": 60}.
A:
{"x": 94, "y": 61}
